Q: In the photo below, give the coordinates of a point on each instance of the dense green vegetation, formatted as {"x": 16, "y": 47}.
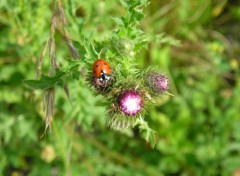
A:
{"x": 197, "y": 129}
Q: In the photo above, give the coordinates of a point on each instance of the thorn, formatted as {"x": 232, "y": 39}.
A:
{"x": 169, "y": 94}
{"x": 136, "y": 87}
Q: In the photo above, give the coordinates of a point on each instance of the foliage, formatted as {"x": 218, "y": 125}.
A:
{"x": 196, "y": 131}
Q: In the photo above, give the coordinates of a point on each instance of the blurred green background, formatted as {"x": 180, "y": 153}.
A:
{"x": 198, "y": 129}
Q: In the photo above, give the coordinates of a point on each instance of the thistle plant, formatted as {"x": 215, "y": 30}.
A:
{"x": 128, "y": 92}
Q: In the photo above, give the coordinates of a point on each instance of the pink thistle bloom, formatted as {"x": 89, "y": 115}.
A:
{"x": 130, "y": 102}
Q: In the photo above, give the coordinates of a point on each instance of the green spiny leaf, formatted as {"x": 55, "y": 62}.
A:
{"x": 146, "y": 131}
{"x": 119, "y": 21}
{"x": 45, "y": 82}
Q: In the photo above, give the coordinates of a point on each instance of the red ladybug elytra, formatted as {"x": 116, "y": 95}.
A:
{"x": 101, "y": 70}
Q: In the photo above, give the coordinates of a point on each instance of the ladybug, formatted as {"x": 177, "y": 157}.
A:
{"x": 101, "y": 71}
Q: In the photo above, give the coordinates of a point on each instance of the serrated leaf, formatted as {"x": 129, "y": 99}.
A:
{"x": 140, "y": 45}
{"x": 137, "y": 3}
{"x": 132, "y": 4}
{"x": 124, "y": 3}
{"x": 150, "y": 137}
{"x": 119, "y": 21}
{"x": 135, "y": 33}
{"x": 137, "y": 15}
{"x": 122, "y": 33}
{"x": 162, "y": 39}
{"x": 72, "y": 65}
{"x": 146, "y": 131}
{"x": 45, "y": 82}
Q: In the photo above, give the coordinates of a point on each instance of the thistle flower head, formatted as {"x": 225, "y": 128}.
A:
{"x": 130, "y": 102}
{"x": 157, "y": 82}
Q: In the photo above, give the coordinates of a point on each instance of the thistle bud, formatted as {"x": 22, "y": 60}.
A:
{"x": 130, "y": 102}
{"x": 124, "y": 47}
{"x": 157, "y": 82}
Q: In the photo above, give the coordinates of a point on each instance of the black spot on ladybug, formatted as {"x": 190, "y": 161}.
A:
{"x": 97, "y": 66}
{"x": 105, "y": 63}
